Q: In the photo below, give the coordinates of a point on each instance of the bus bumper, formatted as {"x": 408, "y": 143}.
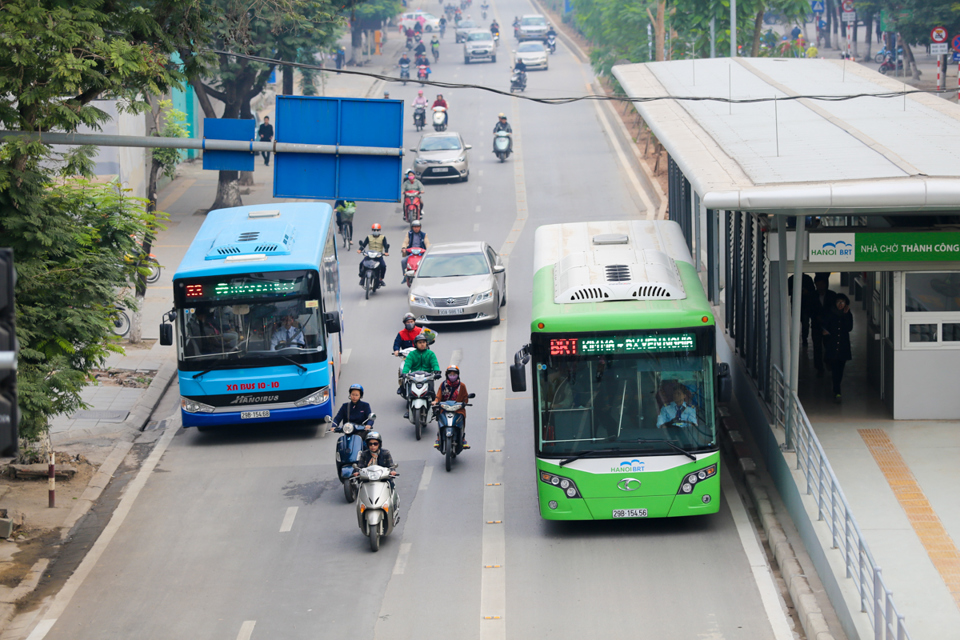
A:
{"x": 312, "y": 413}
{"x": 702, "y": 502}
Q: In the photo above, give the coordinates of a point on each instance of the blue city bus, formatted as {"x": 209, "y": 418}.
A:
{"x": 258, "y": 317}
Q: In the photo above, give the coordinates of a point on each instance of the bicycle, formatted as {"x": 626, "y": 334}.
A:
{"x": 121, "y": 321}
{"x": 346, "y": 230}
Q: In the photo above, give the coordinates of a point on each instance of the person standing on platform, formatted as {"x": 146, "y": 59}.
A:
{"x": 823, "y": 299}
{"x": 837, "y": 323}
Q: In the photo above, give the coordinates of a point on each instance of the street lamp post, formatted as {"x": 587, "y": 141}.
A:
{"x": 733, "y": 28}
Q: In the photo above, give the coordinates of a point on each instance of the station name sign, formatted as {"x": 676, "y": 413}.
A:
{"x": 909, "y": 246}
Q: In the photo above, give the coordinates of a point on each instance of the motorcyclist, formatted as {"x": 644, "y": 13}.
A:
{"x": 440, "y": 102}
{"x": 521, "y": 70}
{"x": 417, "y": 27}
{"x": 404, "y": 63}
{"x": 443, "y": 24}
{"x": 420, "y": 100}
{"x": 412, "y": 184}
{"x": 551, "y": 31}
{"x": 495, "y": 28}
{"x": 420, "y": 49}
{"x": 376, "y": 455}
{"x": 356, "y": 411}
{"x": 416, "y": 237}
{"x": 503, "y": 125}
{"x": 435, "y": 45}
{"x": 376, "y": 242}
{"x": 516, "y": 25}
{"x": 452, "y": 390}
{"x": 423, "y": 359}
{"x": 407, "y": 335}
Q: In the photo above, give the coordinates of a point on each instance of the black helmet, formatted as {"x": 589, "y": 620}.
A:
{"x": 420, "y": 336}
{"x": 452, "y": 369}
{"x": 358, "y": 387}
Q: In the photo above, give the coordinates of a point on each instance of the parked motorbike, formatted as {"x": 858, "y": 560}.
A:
{"x": 414, "y": 256}
{"x": 404, "y": 72}
{"x": 349, "y": 447}
{"x": 423, "y": 73}
{"x": 552, "y": 44}
{"x": 412, "y": 206}
{"x": 450, "y": 425}
{"x": 518, "y": 81}
{"x": 439, "y": 118}
{"x": 378, "y": 505}
{"x": 420, "y": 117}
{"x": 371, "y": 271}
{"x": 501, "y": 144}
{"x": 890, "y": 64}
{"x": 420, "y": 395}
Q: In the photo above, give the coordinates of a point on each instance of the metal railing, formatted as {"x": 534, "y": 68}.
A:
{"x": 876, "y": 600}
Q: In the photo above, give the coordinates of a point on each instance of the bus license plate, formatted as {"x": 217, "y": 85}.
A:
{"x": 450, "y": 312}
{"x": 244, "y": 415}
{"x": 629, "y": 513}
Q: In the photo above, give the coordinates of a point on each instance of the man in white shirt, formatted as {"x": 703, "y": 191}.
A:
{"x": 679, "y": 413}
{"x": 289, "y": 335}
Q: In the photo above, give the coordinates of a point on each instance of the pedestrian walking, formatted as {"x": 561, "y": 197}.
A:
{"x": 823, "y": 300}
{"x": 266, "y": 135}
{"x": 837, "y": 323}
{"x": 341, "y": 57}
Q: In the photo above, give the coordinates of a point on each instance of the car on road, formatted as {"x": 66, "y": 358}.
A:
{"x": 430, "y": 21}
{"x": 533, "y": 54}
{"x": 442, "y": 155}
{"x": 532, "y": 27}
{"x": 459, "y": 282}
{"x": 466, "y": 25}
{"x": 479, "y": 45}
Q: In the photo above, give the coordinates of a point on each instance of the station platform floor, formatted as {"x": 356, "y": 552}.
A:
{"x": 901, "y": 479}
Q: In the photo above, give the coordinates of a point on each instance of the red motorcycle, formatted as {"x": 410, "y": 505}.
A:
{"x": 414, "y": 256}
{"x": 412, "y": 207}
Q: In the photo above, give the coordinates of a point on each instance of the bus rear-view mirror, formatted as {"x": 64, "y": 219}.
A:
{"x": 331, "y": 321}
{"x": 724, "y": 383}
{"x": 166, "y": 334}
{"x": 518, "y": 378}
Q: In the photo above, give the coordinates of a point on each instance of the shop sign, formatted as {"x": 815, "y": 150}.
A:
{"x": 909, "y": 246}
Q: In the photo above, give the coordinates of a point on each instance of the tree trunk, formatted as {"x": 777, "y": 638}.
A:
{"x": 246, "y": 177}
{"x": 757, "y": 29}
{"x": 909, "y": 61}
{"x": 228, "y": 191}
{"x": 856, "y": 51}
{"x": 661, "y": 28}
{"x": 287, "y": 81}
{"x": 869, "y": 36}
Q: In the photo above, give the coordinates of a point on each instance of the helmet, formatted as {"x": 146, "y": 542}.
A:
{"x": 453, "y": 369}
{"x": 410, "y": 317}
{"x": 502, "y": 116}
{"x": 411, "y": 172}
{"x": 420, "y": 92}
{"x": 358, "y": 387}
{"x": 374, "y": 435}
{"x": 420, "y": 336}
{"x": 415, "y": 223}
{"x": 375, "y": 226}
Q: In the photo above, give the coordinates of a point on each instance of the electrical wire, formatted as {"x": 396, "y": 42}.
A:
{"x": 588, "y": 97}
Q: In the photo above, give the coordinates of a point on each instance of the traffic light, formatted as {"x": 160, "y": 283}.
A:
{"x": 9, "y": 412}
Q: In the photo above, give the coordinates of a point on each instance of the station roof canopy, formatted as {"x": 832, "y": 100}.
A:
{"x": 898, "y": 154}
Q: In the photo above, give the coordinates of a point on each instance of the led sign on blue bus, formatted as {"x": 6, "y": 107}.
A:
{"x": 600, "y": 345}
{"x": 243, "y": 288}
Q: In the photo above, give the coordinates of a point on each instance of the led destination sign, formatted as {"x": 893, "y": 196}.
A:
{"x": 242, "y": 288}
{"x": 601, "y": 345}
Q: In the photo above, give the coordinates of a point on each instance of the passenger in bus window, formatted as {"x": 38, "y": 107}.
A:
{"x": 680, "y": 412}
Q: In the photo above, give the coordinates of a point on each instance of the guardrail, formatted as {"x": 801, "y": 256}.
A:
{"x": 876, "y": 600}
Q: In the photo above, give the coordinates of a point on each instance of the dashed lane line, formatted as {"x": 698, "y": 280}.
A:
{"x": 288, "y": 519}
{"x": 246, "y": 630}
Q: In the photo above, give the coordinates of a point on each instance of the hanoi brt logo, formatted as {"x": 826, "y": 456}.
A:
{"x": 832, "y": 247}
{"x": 628, "y": 466}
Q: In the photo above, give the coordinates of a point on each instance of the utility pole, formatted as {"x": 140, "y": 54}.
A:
{"x": 733, "y": 28}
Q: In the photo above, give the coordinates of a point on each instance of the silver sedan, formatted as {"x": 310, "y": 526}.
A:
{"x": 442, "y": 155}
{"x": 533, "y": 54}
{"x": 459, "y": 282}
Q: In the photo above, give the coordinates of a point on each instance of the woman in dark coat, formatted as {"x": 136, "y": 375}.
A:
{"x": 837, "y": 323}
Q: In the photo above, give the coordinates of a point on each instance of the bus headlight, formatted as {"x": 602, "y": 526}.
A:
{"x": 568, "y": 486}
{"x": 192, "y": 406}
{"x": 691, "y": 479}
{"x": 320, "y": 396}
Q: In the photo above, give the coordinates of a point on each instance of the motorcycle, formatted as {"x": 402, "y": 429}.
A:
{"x": 483, "y": 14}
{"x": 414, "y": 256}
{"x": 496, "y": 37}
{"x": 439, "y": 118}
{"x": 378, "y": 505}
{"x": 371, "y": 271}
{"x": 404, "y": 72}
{"x": 436, "y": 54}
{"x": 420, "y": 117}
{"x": 552, "y": 44}
{"x": 420, "y": 394}
{"x": 450, "y": 424}
{"x": 349, "y": 447}
{"x": 518, "y": 81}
{"x": 443, "y": 30}
{"x": 412, "y": 206}
{"x": 423, "y": 73}
{"x": 501, "y": 144}
{"x": 889, "y": 64}
{"x": 409, "y": 43}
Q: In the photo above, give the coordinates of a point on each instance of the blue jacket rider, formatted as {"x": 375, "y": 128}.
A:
{"x": 356, "y": 411}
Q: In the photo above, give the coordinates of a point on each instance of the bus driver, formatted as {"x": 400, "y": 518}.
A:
{"x": 679, "y": 413}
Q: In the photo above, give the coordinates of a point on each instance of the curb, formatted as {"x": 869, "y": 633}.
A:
{"x": 804, "y": 601}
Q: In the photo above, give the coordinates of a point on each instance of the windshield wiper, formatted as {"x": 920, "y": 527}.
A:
{"x": 294, "y": 363}
{"x": 676, "y": 447}
{"x": 202, "y": 373}
{"x": 591, "y": 452}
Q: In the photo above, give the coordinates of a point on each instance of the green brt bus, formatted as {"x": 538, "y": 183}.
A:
{"x": 625, "y": 378}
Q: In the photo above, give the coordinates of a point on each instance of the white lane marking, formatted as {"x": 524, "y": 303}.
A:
{"x": 758, "y": 562}
{"x": 345, "y": 357}
{"x": 476, "y": 226}
{"x": 478, "y": 208}
{"x": 456, "y": 358}
{"x": 425, "y": 479}
{"x": 288, "y": 518}
{"x": 401, "y": 564}
{"x": 246, "y": 630}
{"x": 70, "y": 588}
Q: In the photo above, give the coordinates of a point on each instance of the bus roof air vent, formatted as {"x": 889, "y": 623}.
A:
{"x": 254, "y": 237}
{"x": 611, "y": 238}
{"x": 613, "y": 272}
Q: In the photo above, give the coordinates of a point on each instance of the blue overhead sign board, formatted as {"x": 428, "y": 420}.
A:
{"x": 228, "y": 129}
{"x": 349, "y": 122}
{"x": 816, "y": 6}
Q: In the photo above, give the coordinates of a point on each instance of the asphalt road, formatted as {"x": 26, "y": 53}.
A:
{"x": 201, "y": 553}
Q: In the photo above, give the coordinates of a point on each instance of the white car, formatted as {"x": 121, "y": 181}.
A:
{"x": 479, "y": 45}
{"x": 430, "y": 22}
{"x": 533, "y": 54}
{"x": 532, "y": 27}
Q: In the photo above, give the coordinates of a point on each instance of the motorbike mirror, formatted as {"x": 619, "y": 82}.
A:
{"x": 471, "y": 395}
{"x": 166, "y": 334}
{"x": 372, "y": 416}
{"x": 412, "y": 150}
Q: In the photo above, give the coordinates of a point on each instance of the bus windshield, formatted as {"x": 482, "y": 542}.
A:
{"x": 249, "y": 320}
{"x": 633, "y": 392}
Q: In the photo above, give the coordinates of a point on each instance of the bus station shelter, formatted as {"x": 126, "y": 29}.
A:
{"x": 784, "y": 167}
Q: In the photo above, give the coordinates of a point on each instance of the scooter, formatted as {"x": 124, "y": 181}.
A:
{"x": 420, "y": 394}
{"x": 450, "y": 425}
{"x": 501, "y": 144}
{"x": 518, "y": 81}
{"x": 414, "y": 256}
{"x": 420, "y": 117}
{"x": 423, "y": 73}
{"x": 404, "y": 72}
{"x": 378, "y": 505}
{"x": 371, "y": 271}
{"x": 439, "y": 118}
{"x": 412, "y": 207}
{"x": 436, "y": 54}
{"x": 349, "y": 447}
{"x": 552, "y": 44}
{"x": 496, "y": 37}
{"x": 889, "y": 65}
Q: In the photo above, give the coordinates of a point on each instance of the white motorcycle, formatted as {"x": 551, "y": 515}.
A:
{"x": 378, "y": 505}
{"x": 439, "y": 118}
{"x": 420, "y": 395}
{"x": 501, "y": 145}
